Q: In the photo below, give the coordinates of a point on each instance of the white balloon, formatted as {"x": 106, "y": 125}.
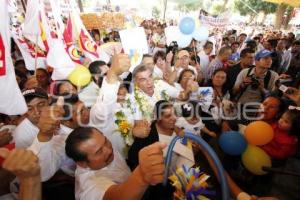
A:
{"x": 172, "y": 33}
{"x": 184, "y": 40}
{"x": 201, "y": 33}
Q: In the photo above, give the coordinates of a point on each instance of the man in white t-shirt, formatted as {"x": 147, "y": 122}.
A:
{"x": 102, "y": 173}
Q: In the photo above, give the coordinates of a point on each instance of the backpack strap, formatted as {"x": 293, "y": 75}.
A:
{"x": 267, "y": 79}
{"x": 242, "y": 92}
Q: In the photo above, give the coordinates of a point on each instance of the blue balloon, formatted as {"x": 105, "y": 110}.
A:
{"x": 187, "y": 25}
{"x": 232, "y": 143}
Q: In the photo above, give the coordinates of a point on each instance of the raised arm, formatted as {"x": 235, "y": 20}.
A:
{"x": 150, "y": 171}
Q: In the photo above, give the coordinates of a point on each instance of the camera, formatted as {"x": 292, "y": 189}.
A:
{"x": 173, "y": 47}
{"x": 254, "y": 82}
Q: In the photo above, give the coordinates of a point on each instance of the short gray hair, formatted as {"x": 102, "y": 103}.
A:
{"x": 140, "y": 68}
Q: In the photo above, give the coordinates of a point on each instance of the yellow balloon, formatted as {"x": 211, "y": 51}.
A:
{"x": 254, "y": 158}
{"x": 80, "y": 76}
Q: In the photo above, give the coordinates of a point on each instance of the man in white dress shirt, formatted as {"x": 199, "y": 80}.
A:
{"x": 53, "y": 130}
{"x": 146, "y": 93}
{"x": 102, "y": 173}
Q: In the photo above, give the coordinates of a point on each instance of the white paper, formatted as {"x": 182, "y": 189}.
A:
{"x": 135, "y": 44}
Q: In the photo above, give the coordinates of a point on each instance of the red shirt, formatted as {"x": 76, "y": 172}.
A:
{"x": 282, "y": 145}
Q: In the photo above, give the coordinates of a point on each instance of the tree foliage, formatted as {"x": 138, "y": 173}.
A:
{"x": 155, "y": 12}
{"x": 188, "y": 5}
{"x": 257, "y": 5}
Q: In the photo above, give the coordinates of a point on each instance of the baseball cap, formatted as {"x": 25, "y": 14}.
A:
{"x": 35, "y": 92}
{"x": 263, "y": 54}
{"x": 183, "y": 53}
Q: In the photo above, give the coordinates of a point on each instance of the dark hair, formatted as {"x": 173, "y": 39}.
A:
{"x": 159, "y": 54}
{"x": 159, "y": 108}
{"x": 123, "y": 85}
{"x": 233, "y": 125}
{"x": 295, "y": 119}
{"x": 282, "y": 105}
{"x": 244, "y": 34}
{"x": 76, "y": 137}
{"x": 106, "y": 39}
{"x": 160, "y": 26}
{"x": 251, "y": 45}
{"x": 225, "y": 38}
{"x": 297, "y": 42}
{"x": 219, "y": 70}
{"x": 23, "y": 78}
{"x": 182, "y": 72}
{"x": 19, "y": 62}
{"x": 273, "y": 42}
{"x": 256, "y": 38}
{"x": 223, "y": 50}
{"x": 224, "y": 87}
{"x": 245, "y": 51}
{"x": 43, "y": 70}
{"x": 193, "y": 110}
{"x": 94, "y": 69}
{"x": 147, "y": 56}
{"x": 59, "y": 84}
{"x": 195, "y": 58}
{"x": 94, "y": 66}
{"x": 207, "y": 43}
{"x": 235, "y": 43}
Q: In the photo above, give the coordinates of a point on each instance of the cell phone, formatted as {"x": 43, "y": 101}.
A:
{"x": 286, "y": 90}
{"x": 283, "y": 88}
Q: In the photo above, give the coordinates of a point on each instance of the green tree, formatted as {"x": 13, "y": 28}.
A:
{"x": 283, "y": 16}
{"x": 224, "y": 6}
{"x": 246, "y": 7}
{"x": 155, "y": 12}
{"x": 188, "y": 5}
{"x": 217, "y": 9}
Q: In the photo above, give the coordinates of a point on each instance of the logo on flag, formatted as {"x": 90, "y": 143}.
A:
{"x": 2, "y": 58}
{"x": 87, "y": 45}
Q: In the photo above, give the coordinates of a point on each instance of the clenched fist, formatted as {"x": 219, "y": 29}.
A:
{"x": 151, "y": 163}
{"x": 120, "y": 63}
{"x": 49, "y": 122}
{"x": 23, "y": 163}
{"x": 141, "y": 128}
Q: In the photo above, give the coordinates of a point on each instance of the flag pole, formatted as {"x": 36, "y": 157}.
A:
{"x": 36, "y": 52}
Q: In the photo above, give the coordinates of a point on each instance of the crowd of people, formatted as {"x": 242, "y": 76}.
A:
{"x": 108, "y": 139}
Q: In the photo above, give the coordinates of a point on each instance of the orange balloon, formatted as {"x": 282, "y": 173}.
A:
{"x": 259, "y": 133}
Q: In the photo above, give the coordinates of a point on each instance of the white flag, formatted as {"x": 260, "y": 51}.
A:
{"x": 36, "y": 27}
{"x": 57, "y": 15}
{"x": 58, "y": 59}
{"x": 11, "y": 100}
{"x": 29, "y": 54}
